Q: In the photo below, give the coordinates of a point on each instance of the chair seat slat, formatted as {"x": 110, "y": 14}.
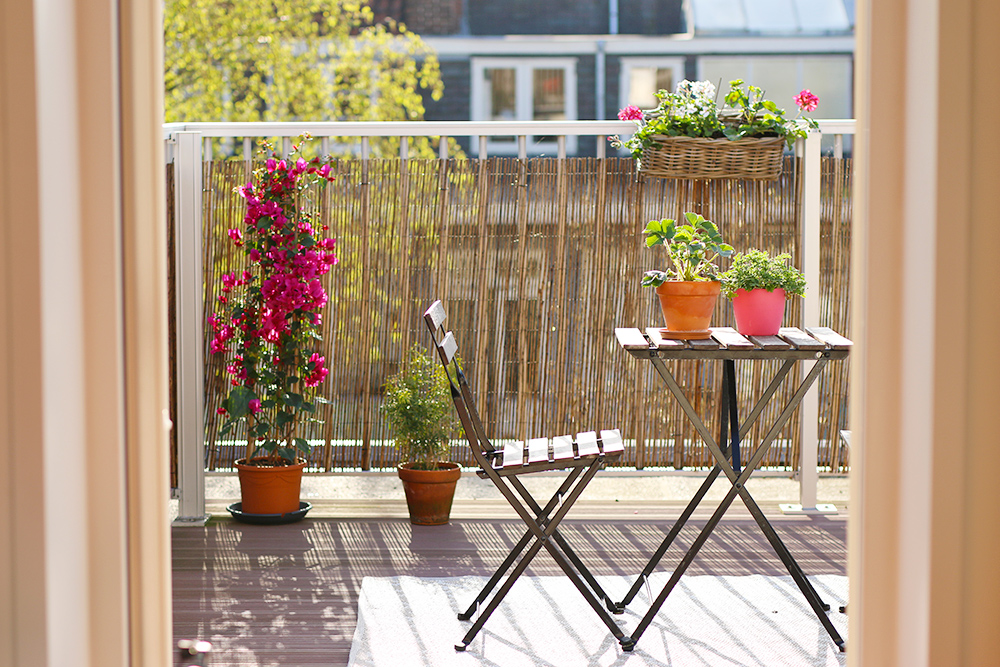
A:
{"x": 562, "y": 447}
{"x": 611, "y": 441}
{"x": 538, "y": 450}
{"x": 586, "y": 443}
{"x": 513, "y": 454}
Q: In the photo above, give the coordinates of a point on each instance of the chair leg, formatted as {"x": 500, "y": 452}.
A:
{"x": 540, "y": 517}
{"x": 561, "y": 541}
{"x": 543, "y": 537}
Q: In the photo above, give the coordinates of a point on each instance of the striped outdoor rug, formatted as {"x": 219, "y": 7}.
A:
{"x": 544, "y": 621}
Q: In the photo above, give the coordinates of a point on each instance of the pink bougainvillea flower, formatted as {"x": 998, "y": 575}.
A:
{"x": 806, "y": 101}
{"x": 236, "y": 235}
{"x": 254, "y": 405}
{"x": 631, "y": 112}
{"x": 220, "y": 411}
{"x": 271, "y": 164}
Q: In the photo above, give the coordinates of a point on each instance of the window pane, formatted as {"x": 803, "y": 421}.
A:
{"x": 501, "y": 84}
{"x": 644, "y": 82}
{"x": 549, "y": 90}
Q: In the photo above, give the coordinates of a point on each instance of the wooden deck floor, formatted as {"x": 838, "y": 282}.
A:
{"x": 287, "y": 595}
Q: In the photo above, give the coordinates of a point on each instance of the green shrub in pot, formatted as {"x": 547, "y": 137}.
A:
{"x": 756, "y": 269}
{"x": 419, "y": 410}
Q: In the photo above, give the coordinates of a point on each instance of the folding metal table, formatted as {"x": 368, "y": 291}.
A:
{"x": 819, "y": 345}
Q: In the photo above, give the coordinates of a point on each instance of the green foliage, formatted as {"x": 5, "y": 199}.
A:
{"x": 756, "y": 270}
{"x": 292, "y": 60}
{"x": 692, "y": 248}
{"x": 756, "y": 116}
{"x": 419, "y": 410}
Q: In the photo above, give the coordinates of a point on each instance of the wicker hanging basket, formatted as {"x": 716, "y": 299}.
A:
{"x": 698, "y": 157}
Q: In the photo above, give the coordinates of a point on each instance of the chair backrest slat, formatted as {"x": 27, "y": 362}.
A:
{"x": 435, "y": 315}
{"x": 449, "y": 347}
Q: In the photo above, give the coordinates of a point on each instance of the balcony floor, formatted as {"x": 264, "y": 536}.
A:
{"x": 287, "y": 595}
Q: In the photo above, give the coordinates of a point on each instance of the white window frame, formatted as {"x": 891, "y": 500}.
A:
{"x": 628, "y": 64}
{"x": 523, "y": 68}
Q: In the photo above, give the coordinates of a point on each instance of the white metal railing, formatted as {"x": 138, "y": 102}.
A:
{"x": 189, "y": 144}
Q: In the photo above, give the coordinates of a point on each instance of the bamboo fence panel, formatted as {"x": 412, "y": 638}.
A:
{"x": 537, "y": 262}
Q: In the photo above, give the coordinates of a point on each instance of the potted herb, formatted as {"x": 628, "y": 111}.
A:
{"x": 688, "y": 288}
{"x": 688, "y": 136}
{"x": 420, "y": 414}
{"x": 759, "y": 286}
{"x": 268, "y": 323}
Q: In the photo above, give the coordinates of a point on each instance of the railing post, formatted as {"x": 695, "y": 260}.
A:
{"x": 190, "y": 362}
{"x": 809, "y": 245}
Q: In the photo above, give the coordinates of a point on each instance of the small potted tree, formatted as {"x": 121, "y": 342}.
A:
{"x": 688, "y": 288}
{"x": 421, "y": 417}
{"x": 267, "y": 323}
{"x": 759, "y": 286}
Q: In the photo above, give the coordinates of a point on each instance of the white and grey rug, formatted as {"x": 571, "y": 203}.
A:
{"x": 544, "y": 621}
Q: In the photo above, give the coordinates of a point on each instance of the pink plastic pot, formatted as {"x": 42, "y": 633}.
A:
{"x": 759, "y": 312}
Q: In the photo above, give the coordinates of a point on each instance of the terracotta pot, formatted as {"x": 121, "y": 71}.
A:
{"x": 687, "y": 307}
{"x": 429, "y": 492}
{"x": 759, "y": 312}
{"x": 269, "y": 490}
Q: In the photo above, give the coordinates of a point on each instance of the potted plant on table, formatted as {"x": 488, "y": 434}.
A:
{"x": 688, "y": 288}
{"x": 688, "y": 136}
{"x": 269, "y": 322}
{"x": 420, "y": 413}
{"x": 760, "y": 286}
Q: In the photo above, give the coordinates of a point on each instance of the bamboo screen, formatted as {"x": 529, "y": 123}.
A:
{"x": 537, "y": 263}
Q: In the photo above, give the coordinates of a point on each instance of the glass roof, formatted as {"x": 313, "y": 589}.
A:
{"x": 772, "y": 17}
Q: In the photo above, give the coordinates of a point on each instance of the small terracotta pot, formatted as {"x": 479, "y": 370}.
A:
{"x": 269, "y": 490}
{"x": 759, "y": 312}
{"x": 687, "y": 307}
{"x": 429, "y": 492}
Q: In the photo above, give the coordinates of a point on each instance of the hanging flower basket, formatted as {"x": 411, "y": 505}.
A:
{"x": 700, "y": 157}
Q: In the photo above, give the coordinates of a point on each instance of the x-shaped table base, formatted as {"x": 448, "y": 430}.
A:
{"x": 738, "y": 480}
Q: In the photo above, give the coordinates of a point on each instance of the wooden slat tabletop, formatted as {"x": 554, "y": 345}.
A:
{"x": 727, "y": 343}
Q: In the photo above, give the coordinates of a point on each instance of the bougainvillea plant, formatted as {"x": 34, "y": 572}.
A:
{"x": 269, "y": 316}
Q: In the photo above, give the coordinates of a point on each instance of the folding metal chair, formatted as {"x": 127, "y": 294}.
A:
{"x": 583, "y": 456}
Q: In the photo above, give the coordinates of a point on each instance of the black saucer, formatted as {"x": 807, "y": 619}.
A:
{"x": 269, "y": 519}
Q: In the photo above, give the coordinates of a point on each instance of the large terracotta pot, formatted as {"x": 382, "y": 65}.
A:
{"x": 687, "y": 307}
{"x": 429, "y": 492}
{"x": 759, "y": 312}
{"x": 269, "y": 490}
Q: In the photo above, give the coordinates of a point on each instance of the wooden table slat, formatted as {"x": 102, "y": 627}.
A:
{"x": 631, "y": 339}
{"x": 661, "y": 343}
{"x": 769, "y": 343}
{"x": 731, "y": 339}
{"x": 833, "y": 339}
{"x": 706, "y": 344}
{"x": 800, "y": 339}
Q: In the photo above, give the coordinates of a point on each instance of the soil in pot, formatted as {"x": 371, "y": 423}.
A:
{"x": 759, "y": 312}
{"x": 687, "y": 308}
{"x": 269, "y": 489}
{"x": 429, "y": 492}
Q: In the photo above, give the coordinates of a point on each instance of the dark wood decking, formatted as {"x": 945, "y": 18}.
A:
{"x": 287, "y": 595}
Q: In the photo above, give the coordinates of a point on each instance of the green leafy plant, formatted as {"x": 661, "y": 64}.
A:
{"x": 692, "y": 111}
{"x": 756, "y": 269}
{"x": 693, "y": 249}
{"x": 419, "y": 410}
